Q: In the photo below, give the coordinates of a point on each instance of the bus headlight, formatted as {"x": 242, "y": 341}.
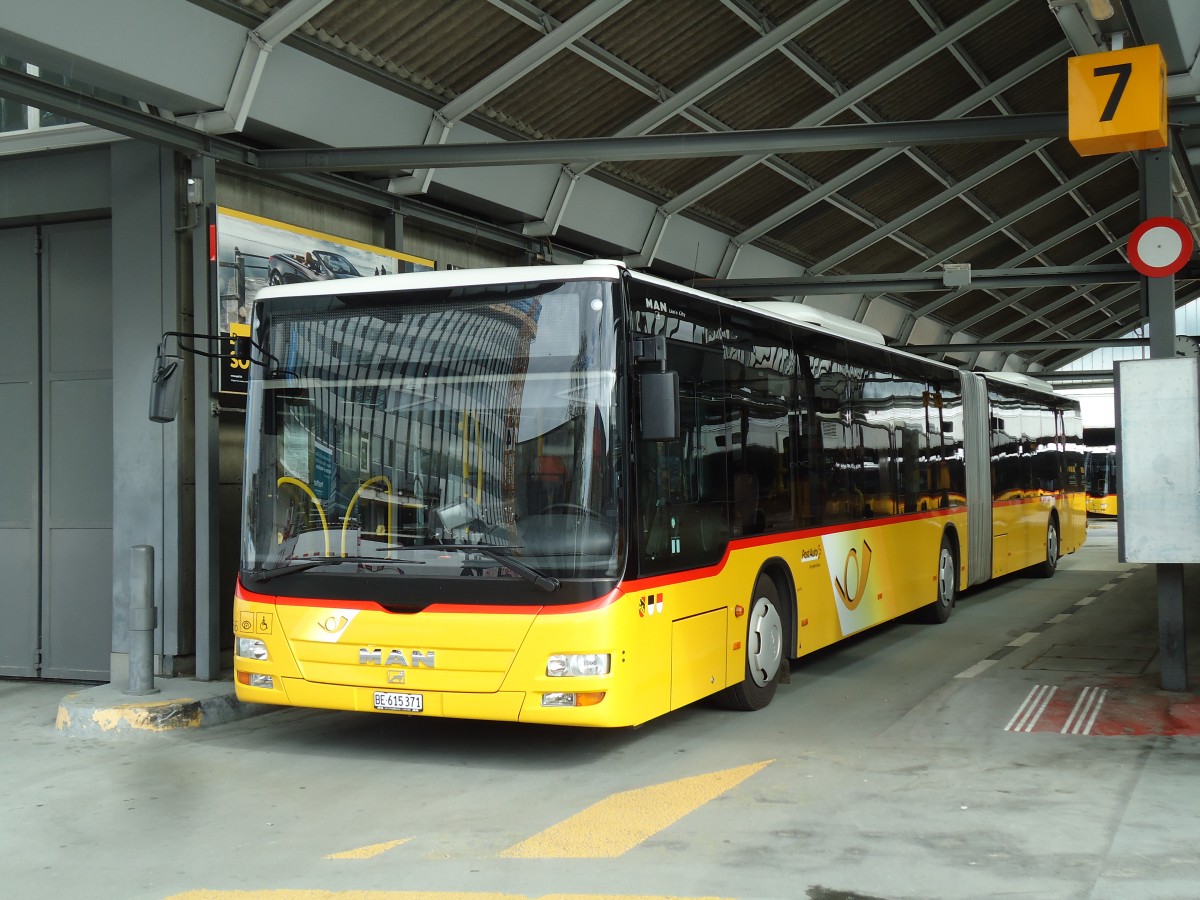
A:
{"x": 251, "y": 648}
{"x": 561, "y": 698}
{"x": 567, "y": 665}
{"x": 251, "y": 679}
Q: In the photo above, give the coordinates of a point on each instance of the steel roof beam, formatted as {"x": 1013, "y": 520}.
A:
{"x": 1004, "y": 108}
{"x": 863, "y": 111}
{"x": 1087, "y": 332}
{"x": 136, "y": 124}
{"x": 956, "y": 191}
{"x": 718, "y": 75}
{"x": 878, "y": 159}
{"x": 1119, "y": 298}
{"x": 676, "y": 103}
{"x": 1009, "y": 159}
{"x": 932, "y": 307}
{"x": 1099, "y": 376}
{"x": 1016, "y": 215}
{"x": 1002, "y": 223}
{"x": 1022, "y": 346}
{"x": 525, "y": 62}
{"x": 553, "y": 41}
{"x": 1083, "y": 314}
{"x": 840, "y": 104}
{"x": 1041, "y": 311}
{"x": 791, "y": 173}
{"x": 813, "y": 70}
{"x": 823, "y": 139}
{"x": 125, "y": 120}
{"x": 670, "y": 102}
{"x": 586, "y": 49}
{"x": 911, "y": 282}
{"x": 260, "y": 41}
{"x": 1002, "y": 105}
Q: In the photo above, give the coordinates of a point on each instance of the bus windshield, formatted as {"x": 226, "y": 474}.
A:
{"x": 1101, "y": 469}
{"x": 424, "y": 434}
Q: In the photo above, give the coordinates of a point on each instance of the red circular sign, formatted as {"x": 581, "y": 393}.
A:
{"x": 1160, "y": 246}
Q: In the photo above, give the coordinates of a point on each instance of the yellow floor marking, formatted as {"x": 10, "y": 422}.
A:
{"x": 368, "y": 851}
{"x": 291, "y": 894}
{"x": 622, "y": 821}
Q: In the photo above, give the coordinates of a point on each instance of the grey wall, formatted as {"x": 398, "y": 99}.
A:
{"x": 148, "y": 272}
{"x": 135, "y": 185}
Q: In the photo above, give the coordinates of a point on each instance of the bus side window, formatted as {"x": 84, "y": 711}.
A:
{"x": 682, "y": 486}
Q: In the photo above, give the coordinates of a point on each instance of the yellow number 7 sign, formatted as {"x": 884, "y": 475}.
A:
{"x": 1117, "y": 101}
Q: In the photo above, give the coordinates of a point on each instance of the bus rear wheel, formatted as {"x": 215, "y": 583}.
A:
{"x": 947, "y": 585}
{"x": 1047, "y": 567}
{"x": 764, "y": 651}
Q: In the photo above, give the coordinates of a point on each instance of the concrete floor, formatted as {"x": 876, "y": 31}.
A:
{"x": 1022, "y": 749}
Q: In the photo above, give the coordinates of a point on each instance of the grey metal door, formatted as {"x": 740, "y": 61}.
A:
{"x": 56, "y": 460}
{"x": 19, "y": 415}
{"x": 77, "y": 457}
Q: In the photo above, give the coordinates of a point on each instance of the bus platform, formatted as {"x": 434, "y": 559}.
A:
{"x": 106, "y": 710}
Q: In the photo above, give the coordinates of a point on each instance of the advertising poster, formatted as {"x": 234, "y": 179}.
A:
{"x": 253, "y": 252}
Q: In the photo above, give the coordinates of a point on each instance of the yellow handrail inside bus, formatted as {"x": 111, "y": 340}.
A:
{"x": 296, "y": 482}
{"x": 354, "y": 499}
{"x": 471, "y": 429}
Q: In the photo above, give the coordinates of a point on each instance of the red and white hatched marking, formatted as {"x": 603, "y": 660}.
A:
{"x": 1105, "y": 711}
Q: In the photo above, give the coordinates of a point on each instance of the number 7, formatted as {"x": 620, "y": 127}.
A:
{"x": 1122, "y": 71}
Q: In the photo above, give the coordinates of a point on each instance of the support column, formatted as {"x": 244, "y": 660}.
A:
{"x": 207, "y": 446}
{"x": 1158, "y": 303}
{"x": 393, "y": 230}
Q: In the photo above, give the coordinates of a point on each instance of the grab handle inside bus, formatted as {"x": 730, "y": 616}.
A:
{"x": 659, "y": 403}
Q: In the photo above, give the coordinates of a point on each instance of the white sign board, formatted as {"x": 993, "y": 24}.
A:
{"x": 1158, "y": 450}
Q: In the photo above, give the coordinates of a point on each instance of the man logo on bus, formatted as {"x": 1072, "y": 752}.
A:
{"x": 854, "y": 577}
{"x": 374, "y": 656}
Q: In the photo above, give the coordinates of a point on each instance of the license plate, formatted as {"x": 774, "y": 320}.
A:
{"x": 398, "y": 702}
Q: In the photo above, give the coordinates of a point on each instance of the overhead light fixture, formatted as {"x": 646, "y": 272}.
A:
{"x": 1100, "y": 9}
{"x": 956, "y": 274}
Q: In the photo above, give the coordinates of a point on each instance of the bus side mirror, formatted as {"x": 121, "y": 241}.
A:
{"x": 242, "y": 346}
{"x": 164, "y": 388}
{"x": 659, "y": 403}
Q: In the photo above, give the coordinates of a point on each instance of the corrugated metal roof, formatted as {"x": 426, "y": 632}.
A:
{"x": 646, "y": 53}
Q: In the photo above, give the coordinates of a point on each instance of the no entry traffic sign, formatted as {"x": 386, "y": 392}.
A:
{"x": 1160, "y": 246}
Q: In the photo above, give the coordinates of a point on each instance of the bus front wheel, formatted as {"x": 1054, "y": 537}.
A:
{"x": 764, "y": 651}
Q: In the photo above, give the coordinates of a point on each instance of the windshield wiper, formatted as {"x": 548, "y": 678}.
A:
{"x": 497, "y": 552}
{"x": 278, "y": 571}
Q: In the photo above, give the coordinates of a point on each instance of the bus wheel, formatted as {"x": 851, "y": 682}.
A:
{"x": 1047, "y": 567}
{"x": 947, "y": 585}
{"x": 764, "y": 651}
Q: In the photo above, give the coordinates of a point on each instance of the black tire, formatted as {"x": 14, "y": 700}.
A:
{"x": 1047, "y": 567}
{"x": 275, "y": 277}
{"x": 765, "y": 657}
{"x": 947, "y": 585}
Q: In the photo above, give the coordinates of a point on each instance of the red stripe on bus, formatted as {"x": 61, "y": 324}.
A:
{"x": 654, "y": 581}
{"x": 372, "y": 606}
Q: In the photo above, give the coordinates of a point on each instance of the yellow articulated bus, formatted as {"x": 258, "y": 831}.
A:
{"x": 581, "y": 495}
{"x": 1100, "y": 466}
